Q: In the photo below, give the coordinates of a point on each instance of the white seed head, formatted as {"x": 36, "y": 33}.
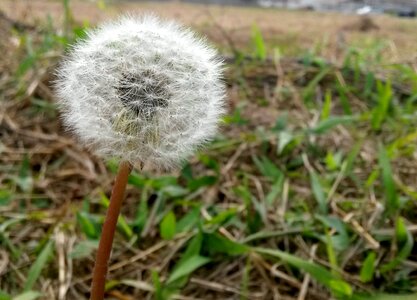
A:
{"x": 142, "y": 90}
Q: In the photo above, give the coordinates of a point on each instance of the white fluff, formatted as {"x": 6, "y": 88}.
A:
{"x": 142, "y": 90}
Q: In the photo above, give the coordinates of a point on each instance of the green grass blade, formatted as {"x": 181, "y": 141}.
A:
{"x": 121, "y": 221}
{"x": 351, "y": 158}
{"x": 391, "y": 197}
{"x": 83, "y": 249}
{"x": 327, "y": 106}
{"x": 384, "y": 99}
{"x": 318, "y": 272}
{"x": 157, "y": 286}
{"x": 88, "y": 225}
{"x": 168, "y": 226}
{"x": 284, "y": 138}
{"x": 37, "y": 267}
{"x": 246, "y": 280}
{"x": 331, "y": 122}
{"x": 311, "y": 87}
{"x": 215, "y": 243}
{"x": 384, "y": 297}
{"x": 5, "y": 296}
{"x": 267, "y": 167}
{"x": 188, "y": 222}
{"x": 405, "y": 243}
{"x": 187, "y": 267}
{"x": 368, "y": 268}
{"x": 318, "y": 192}
{"x": 331, "y": 254}
{"x": 344, "y": 98}
{"x": 258, "y": 42}
{"x": 29, "y": 295}
{"x": 142, "y": 211}
{"x": 186, "y": 261}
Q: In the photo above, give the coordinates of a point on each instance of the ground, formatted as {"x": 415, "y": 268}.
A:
{"x": 290, "y": 30}
{"x": 308, "y": 192}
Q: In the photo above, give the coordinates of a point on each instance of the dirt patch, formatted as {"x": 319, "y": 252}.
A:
{"x": 364, "y": 24}
{"x": 280, "y": 28}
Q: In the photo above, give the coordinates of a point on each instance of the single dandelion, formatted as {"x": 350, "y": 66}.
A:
{"x": 142, "y": 90}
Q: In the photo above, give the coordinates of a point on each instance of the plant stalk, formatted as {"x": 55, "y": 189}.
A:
{"x": 107, "y": 234}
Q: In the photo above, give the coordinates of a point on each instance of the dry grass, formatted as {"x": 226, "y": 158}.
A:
{"x": 52, "y": 190}
{"x": 291, "y": 31}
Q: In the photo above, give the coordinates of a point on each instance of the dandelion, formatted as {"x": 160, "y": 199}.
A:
{"x": 142, "y": 90}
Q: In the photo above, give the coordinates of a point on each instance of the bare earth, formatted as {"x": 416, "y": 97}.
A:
{"x": 291, "y": 31}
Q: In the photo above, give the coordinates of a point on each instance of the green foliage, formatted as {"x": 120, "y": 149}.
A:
{"x": 121, "y": 222}
{"x": 250, "y": 197}
{"x": 142, "y": 211}
{"x": 37, "y": 267}
{"x": 158, "y": 293}
{"x": 385, "y": 297}
{"x": 329, "y": 123}
{"x": 216, "y": 244}
{"x": 187, "y": 266}
{"x": 189, "y": 221}
{"x": 4, "y": 296}
{"x": 84, "y": 249}
{"x": 319, "y": 273}
{"x": 29, "y": 295}
{"x": 384, "y": 96}
{"x": 168, "y": 226}
{"x": 391, "y": 197}
{"x": 339, "y": 240}
{"x": 25, "y": 180}
{"x": 368, "y": 267}
{"x": 318, "y": 192}
{"x": 268, "y": 168}
{"x": 88, "y": 225}
{"x": 405, "y": 243}
{"x": 5, "y": 197}
{"x": 310, "y": 89}
{"x": 258, "y": 42}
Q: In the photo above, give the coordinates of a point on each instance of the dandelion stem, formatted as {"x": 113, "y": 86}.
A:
{"x": 109, "y": 228}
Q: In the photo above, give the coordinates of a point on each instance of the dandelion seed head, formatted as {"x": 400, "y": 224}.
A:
{"x": 142, "y": 90}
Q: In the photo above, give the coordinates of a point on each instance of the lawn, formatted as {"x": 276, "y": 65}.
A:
{"x": 308, "y": 192}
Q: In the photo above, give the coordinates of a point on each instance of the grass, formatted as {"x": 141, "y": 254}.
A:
{"x": 309, "y": 192}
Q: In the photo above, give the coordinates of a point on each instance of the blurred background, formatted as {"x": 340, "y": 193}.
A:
{"x": 376, "y": 6}
{"x": 308, "y": 192}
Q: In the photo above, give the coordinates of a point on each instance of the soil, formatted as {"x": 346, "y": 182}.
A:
{"x": 291, "y": 31}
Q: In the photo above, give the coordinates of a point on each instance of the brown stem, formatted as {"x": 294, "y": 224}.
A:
{"x": 107, "y": 234}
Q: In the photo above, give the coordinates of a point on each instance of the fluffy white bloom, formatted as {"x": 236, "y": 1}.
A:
{"x": 142, "y": 89}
